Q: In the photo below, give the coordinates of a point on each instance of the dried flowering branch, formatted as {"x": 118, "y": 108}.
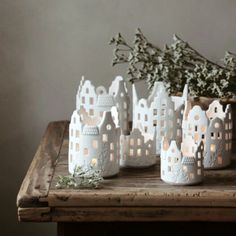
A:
{"x": 175, "y": 65}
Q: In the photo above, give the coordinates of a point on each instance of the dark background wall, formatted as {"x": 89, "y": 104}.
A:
{"x": 45, "y": 47}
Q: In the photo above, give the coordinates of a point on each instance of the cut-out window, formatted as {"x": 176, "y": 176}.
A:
{"x": 104, "y": 138}
{"x": 94, "y": 162}
{"x": 139, "y": 142}
{"x": 179, "y": 132}
{"x": 212, "y": 135}
{"x": 226, "y": 126}
{"x": 70, "y": 158}
{"x": 77, "y": 147}
{"x": 154, "y": 112}
{"x": 203, "y": 128}
{"x": 154, "y": 122}
{"x": 147, "y": 152}
{"x": 199, "y": 171}
{"x": 131, "y": 141}
{"x": 125, "y": 105}
{"x": 111, "y": 156}
{"x": 87, "y": 90}
{"x": 213, "y": 147}
{"x": 108, "y": 127}
{"x": 195, "y": 128}
{"x": 146, "y": 117}
{"x": 220, "y": 160}
{"x": 95, "y": 144}
{"x": 226, "y": 146}
{"x": 199, "y": 164}
{"x": 71, "y": 145}
{"x": 145, "y": 129}
{"x": 71, "y": 132}
{"x": 74, "y": 120}
{"x": 226, "y": 136}
{"x": 191, "y": 176}
{"x": 111, "y": 146}
{"x": 83, "y": 100}
{"x": 169, "y": 159}
{"x": 215, "y": 109}
{"x": 131, "y": 152}
{"x": 178, "y": 121}
{"x": 217, "y": 125}
{"x": 91, "y": 101}
{"x": 203, "y": 136}
{"x": 219, "y": 135}
{"x": 91, "y": 112}
{"x": 199, "y": 155}
{"x": 77, "y": 133}
{"x": 163, "y": 112}
{"x": 86, "y": 151}
{"x": 169, "y": 168}
{"x": 173, "y": 150}
{"x": 185, "y": 168}
{"x": 139, "y": 152}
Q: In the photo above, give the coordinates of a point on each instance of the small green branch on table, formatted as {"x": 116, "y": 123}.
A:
{"x": 80, "y": 179}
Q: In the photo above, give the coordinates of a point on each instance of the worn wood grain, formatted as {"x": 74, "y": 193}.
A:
{"x": 123, "y": 214}
{"x": 143, "y": 187}
{"x": 35, "y": 186}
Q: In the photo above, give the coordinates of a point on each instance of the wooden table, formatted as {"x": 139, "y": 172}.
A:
{"x": 133, "y": 196}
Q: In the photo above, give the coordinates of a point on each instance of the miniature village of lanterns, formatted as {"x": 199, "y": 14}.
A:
{"x": 186, "y": 138}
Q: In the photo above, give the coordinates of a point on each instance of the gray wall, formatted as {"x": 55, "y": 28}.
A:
{"x": 46, "y": 45}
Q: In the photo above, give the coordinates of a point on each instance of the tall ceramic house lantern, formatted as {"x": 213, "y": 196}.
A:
{"x": 118, "y": 90}
{"x": 219, "y": 136}
{"x": 161, "y": 111}
{"x": 94, "y": 141}
{"x": 138, "y": 149}
{"x": 182, "y": 166}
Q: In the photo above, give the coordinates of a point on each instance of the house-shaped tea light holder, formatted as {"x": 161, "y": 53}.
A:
{"x": 214, "y": 128}
{"x": 161, "y": 111}
{"x": 182, "y": 166}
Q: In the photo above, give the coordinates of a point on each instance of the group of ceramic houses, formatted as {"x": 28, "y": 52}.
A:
{"x": 187, "y": 139}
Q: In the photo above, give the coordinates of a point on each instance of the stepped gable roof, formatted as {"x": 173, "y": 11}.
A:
{"x": 188, "y": 161}
{"x": 105, "y": 100}
{"x": 90, "y": 130}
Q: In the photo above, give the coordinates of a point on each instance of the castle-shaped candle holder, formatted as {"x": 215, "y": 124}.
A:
{"x": 182, "y": 166}
{"x": 138, "y": 149}
{"x": 214, "y": 128}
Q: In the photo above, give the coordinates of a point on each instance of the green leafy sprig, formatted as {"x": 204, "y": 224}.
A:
{"x": 81, "y": 179}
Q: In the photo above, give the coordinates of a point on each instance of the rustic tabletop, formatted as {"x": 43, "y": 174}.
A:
{"x": 134, "y": 195}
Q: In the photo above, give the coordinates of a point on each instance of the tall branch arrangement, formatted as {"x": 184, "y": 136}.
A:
{"x": 175, "y": 65}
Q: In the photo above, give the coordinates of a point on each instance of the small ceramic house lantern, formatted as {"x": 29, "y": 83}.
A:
{"x": 219, "y": 136}
{"x": 161, "y": 111}
{"x": 96, "y": 100}
{"x": 182, "y": 167}
{"x": 214, "y": 128}
{"x": 94, "y": 141}
{"x": 138, "y": 149}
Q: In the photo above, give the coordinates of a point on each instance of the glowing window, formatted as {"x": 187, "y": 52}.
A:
{"x": 104, "y": 138}
{"x": 139, "y": 141}
{"x": 131, "y": 142}
{"x": 111, "y": 146}
{"x": 139, "y": 152}
{"x": 95, "y": 144}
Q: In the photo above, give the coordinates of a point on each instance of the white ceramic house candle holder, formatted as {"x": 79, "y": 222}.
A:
{"x": 214, "y": 128}
{"x": 138, "y": 149}
{"x": 161, "y": 111}
{"x": 96, "y": 100}
{"x": 94, "y": 141}
{"x": 182, "y": 167}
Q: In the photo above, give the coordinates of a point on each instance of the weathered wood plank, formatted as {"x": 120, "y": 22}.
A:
{"x": 145, "y": 188}
{"x": 39, "y": 214}
{"x": 123, "y": 214}
{"x": 35, "y": 187}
